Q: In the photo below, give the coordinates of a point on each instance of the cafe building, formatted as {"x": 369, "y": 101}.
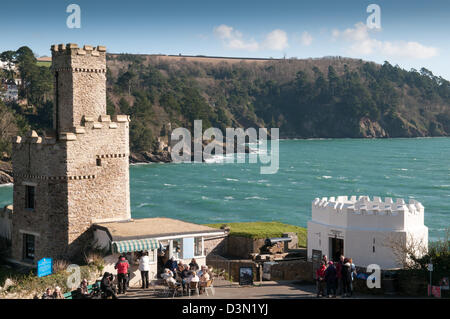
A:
{"x": 162, "y": 238}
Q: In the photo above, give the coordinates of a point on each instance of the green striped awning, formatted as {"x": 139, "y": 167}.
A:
{"x": 126, "y": 246}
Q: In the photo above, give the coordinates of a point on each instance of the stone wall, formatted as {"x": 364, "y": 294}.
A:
{"x": 242, "y": 247}
{"x": 292, "y": 270}
{"x": 215, "y": 245}
{"x": 231, "y": 267}
{"x": 80, "y": 77}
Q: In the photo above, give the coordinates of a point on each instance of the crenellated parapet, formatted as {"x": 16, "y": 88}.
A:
{"x": 104, "y": 122}
{"x": 32, "y": 137}
{"x": 70, "y": 58}
{"x": 364, "y": 212}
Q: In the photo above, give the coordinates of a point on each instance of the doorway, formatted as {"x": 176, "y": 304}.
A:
{"x": 336, "y": 248}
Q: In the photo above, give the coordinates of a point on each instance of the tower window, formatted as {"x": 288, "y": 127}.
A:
{"x": 28, "y": 246}
{"x": 29, "y": 196}
{"x": 99, "y": 162}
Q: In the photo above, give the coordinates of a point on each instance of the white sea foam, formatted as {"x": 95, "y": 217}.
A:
{"x": 256, "y": 197}
{"x": 327, "y": 177}
{"x": 6, "y": 185}
{"x": 169, "y": 185}
{"x": 232, "y": 179}
{"x": 219, "y": 158}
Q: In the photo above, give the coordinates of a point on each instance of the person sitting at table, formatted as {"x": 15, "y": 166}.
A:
{"x": 171, "y": 264}
{"x": 193, "y": 277}
{"x": 168, "y": 276}
{"x": 193, "y": 265}
{"x": 204, "y": 278}
{"x": 184, "y": 274}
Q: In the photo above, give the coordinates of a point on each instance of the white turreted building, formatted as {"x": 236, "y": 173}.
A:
{"x": 365, "y": 229}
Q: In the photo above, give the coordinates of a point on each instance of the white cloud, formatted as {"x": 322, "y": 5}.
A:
{"x": 276, "y": 40}
{"x": 233, "y": 39}
{"x": 362, "y": 43}
{"x": 306, "y": 38}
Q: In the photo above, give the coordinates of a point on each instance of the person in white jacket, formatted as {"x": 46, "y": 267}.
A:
{"x": 144, "y": 267}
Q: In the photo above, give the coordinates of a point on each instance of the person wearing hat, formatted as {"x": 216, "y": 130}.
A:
{"x": 330, "y": 278}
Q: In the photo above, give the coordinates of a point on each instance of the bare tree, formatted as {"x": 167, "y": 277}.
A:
{"x": 407, "y": 251}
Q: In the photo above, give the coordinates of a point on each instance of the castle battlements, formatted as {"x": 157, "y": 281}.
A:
{"x": 364, "y": 212}
{"x": 104, "y": 122}
{"x": 73, "y": 49}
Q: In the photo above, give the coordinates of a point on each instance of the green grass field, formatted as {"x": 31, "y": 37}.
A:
{"x": 42, "y": 63}
{"x": 259, "y": 230}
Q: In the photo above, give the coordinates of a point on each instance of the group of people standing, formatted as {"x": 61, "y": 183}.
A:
{"x": 335, "y": 278}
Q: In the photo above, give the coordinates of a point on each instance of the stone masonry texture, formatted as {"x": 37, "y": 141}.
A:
{"x": 80, "y": 169}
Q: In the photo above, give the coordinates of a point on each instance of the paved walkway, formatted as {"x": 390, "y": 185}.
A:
{"x": 225, "y": 290}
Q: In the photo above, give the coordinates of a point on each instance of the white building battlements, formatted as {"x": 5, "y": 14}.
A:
{"x": 363, "y": 212}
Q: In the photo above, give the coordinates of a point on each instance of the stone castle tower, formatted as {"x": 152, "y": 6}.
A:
{"x": 77, "y": 175}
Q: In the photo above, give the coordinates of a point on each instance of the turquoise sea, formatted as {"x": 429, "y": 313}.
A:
{"x": 416, "y": 168}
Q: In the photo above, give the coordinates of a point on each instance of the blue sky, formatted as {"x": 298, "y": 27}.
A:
{"x": 413, "y": 34}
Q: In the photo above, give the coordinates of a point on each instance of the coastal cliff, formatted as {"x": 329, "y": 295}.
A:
{"x": 330, "y": 97}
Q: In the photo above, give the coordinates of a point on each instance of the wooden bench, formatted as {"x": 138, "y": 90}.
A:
{"x": 75, "y": 294}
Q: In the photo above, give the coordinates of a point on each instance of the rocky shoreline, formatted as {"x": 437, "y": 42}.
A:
{"x": 6, "y": 172}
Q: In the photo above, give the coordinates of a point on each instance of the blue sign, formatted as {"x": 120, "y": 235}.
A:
{"x": 362, "y": 276}
{"x": 44, "y": 267}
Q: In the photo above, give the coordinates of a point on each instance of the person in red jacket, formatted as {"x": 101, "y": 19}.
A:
{"x": 320, "y": 277}
{"x": 122, "y": 274}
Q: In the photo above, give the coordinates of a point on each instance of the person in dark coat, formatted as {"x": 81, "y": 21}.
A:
{"x": 347, "y": 278}
{"x": 339, "y": 265}
{"x": 193, "y": 265}
{"x": 171, "y": 264}
{"x": 184, "y": 274}
{"x": 330, "y": 278}
{"x": 106, "y": 286}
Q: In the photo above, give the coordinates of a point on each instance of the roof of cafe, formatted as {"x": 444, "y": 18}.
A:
{"x": 158, "y": 227}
